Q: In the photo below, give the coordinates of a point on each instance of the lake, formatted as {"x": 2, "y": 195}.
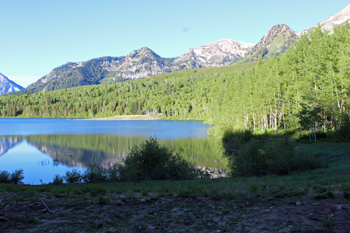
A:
{"x": 46, "y": 147}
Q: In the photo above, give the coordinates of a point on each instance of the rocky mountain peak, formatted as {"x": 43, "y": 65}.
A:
{"x": 274, "y": 32}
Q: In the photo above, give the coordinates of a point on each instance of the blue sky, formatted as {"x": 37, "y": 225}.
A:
{"x": 37, "y": 36}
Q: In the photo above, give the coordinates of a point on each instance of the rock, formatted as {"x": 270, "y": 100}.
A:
{"x": 271, "y": 207}
{"x": 151, "y": 227}
{"x": 267, "y": 210}
{"x": 143, "y": 200}
{"x": 339, "y": 207}
{"x": 218, "y": 231}
{"x": 122, "y": 196}
{"x": 290, "y": 226}
{"x": 119, "y": 202}
{"x": 298, "y": 203}
{"x": 2, "y": 219}
{"x": 97, "y": 223}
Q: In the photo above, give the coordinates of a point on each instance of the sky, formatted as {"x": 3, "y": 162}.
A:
{"x": 37, "y": 36}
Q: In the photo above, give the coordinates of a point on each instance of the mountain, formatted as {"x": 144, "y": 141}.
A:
{"x": 328, "y": 24}
{"x": 219, "y": 53}
{"x": 141, "y": 63}
{"x": 275, "y": 42}
{"x": 6, "y": 85}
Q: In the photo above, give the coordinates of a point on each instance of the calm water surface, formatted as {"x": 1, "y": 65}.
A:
{"x": 46, "y": 147}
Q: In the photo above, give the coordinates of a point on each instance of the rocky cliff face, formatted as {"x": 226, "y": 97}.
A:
{"x": 6, "y": 85}
{"x": 328, "y": 24}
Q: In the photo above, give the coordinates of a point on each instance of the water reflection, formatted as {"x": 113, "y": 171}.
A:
{"x": 7, "y": 143}
{"x": 43, "y": 156}
{"x": 105, "y": 150}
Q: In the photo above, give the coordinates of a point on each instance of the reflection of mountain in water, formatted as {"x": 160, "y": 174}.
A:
{"x": 105, "y": 150}
{"x": 8, "y": 142}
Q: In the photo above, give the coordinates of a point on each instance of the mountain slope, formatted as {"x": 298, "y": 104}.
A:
{"x": 275, "y": 42}
{"x": 328, "y": 24}
{"x": 141, "y": 63}
{"x": 6, "y": 85}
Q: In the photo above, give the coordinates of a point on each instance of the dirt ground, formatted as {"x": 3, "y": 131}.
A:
{"x": 117, "y": 213}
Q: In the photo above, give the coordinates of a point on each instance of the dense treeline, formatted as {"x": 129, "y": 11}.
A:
{"x": 306, "y": 88}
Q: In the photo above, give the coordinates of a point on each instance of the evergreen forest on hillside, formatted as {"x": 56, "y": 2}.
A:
{"x": 305, "y": 88}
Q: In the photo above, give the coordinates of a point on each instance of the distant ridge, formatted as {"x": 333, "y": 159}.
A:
{"x": 143, "y": 62}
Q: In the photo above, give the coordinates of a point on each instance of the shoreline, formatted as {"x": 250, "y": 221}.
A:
{"x": 126, "y": 118}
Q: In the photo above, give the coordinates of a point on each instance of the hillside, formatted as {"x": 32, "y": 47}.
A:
{"x": 141, "y": 63}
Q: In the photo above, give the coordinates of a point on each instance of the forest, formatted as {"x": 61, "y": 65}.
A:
{"x": 307, "y": 88}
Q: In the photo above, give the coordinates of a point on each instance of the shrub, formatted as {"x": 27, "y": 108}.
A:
{"x": 151, "y": 161}
{"x": 4, "y": 177}
{"x": 15, "y": 177}
{"x": 73, "y": 176}
{"x": 343, "y": 133}
{"x": 233, "y": 140}
{"x": 57, "y": 179}
{"x": 275, "y": 158}
{"x": 94, "y": 174}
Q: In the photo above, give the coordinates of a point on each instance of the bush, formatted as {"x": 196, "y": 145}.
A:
{"x": 233, "y": 140}
{"x": 151, "y": 161}
{"x": 57, "y": 179}
{"x": 13, "y": 178}
{"x": 343, "y": 133}
{"x": 94, "y": 174}
{"x": 275, "y": 158}
{"x": 73, "y": 176}
{"x": 4, "y": 177}
{"x": 249, "y": 161}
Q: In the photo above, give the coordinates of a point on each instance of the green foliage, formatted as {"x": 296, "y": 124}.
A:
{"x": 57, "y": 179}
{"x": 328, "y": 222}
{"x": 73, "y": 176}
{"x": 152, "y": 161}
{"x": 278, "y": 157}
{"x": 15, "y": 177}
{"x": 233, "y": 140}
{"x": 343, "y": 132}
{"x": 4, "y": 177}
{"x": 94, "y": 174}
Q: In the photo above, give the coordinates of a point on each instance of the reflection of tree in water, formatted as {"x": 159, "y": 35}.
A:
{"x": 105, "y": 150}
{"x": 7, "y": 142}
